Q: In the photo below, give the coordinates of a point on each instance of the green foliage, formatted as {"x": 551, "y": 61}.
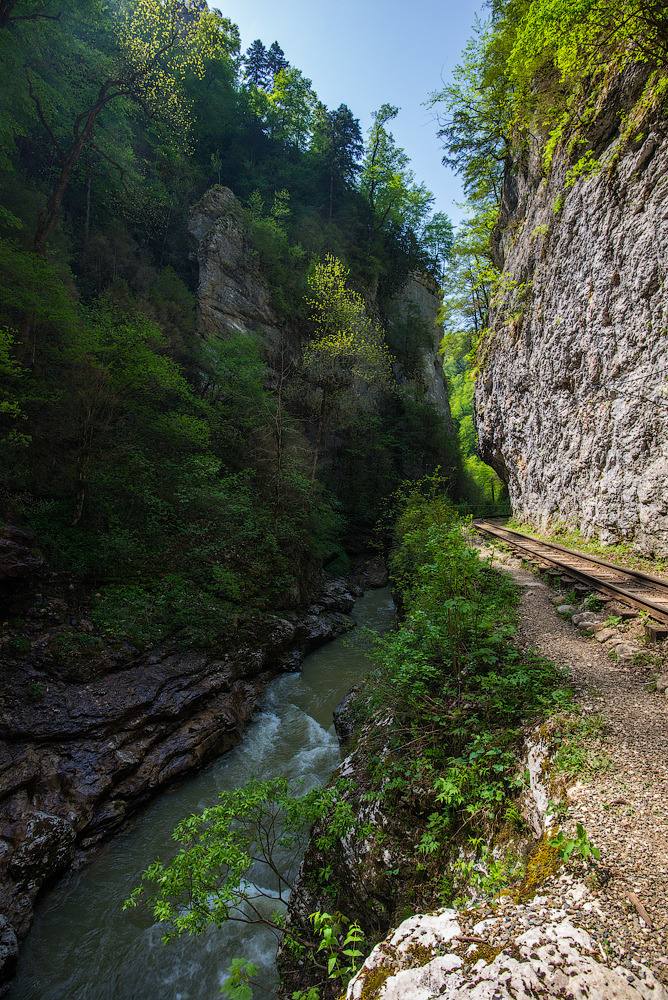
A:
{"x": 592, "y": 602}
{"x": 396, "y": 201}
{"x": 475, "y": 115}
{"x": 237, "y": 985}
{"x": 36, "y": 691}
{"x": 485, "y": 874}
{"x": 282, "y": 262}
{"x": 349, "y": 344}
{"x": 138, "y": 452}
{"x": 578, "y": 750}
{"x": 339, "y": 939}
{"x": 153, "y": 474}
{"x": 255, "y": 836}
{"x": 11, "y": 414}
{"x": 456, "y": 687}
{"x": 579, "y": 844}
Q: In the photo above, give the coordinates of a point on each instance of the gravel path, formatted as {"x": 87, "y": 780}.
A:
{"x": 623, "y": 801}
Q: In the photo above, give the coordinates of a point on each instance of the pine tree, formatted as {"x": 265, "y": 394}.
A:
{"x": 276, "y": 60}
{"x": 256, "y": 65}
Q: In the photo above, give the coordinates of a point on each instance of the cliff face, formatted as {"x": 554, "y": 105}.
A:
{"x": 419, "y": 301}
{"x": 232, "y": 296}
{"x": 571, "y": 403}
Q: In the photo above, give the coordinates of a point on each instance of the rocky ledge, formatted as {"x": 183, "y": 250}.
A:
{"x": 78, "y": 761}
{"x": 518, "y": 952}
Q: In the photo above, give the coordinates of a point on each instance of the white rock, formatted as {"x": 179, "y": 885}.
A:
{"x": 555, "y": 961}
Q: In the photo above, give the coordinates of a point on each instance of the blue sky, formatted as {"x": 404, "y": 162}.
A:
{"x": 365, "y": 53}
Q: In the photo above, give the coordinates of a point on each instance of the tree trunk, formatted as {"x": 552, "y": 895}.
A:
{"x": 87, "y": 222}
{"x": 321, "y": 422}
{"x": 83, "y": 133}
{"x": 48, "y": 217}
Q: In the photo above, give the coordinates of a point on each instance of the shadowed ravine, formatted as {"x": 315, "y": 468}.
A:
{"x": 82, "y": 944}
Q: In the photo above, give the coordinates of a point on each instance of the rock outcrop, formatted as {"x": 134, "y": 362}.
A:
{"x": 420, "y": 301}
{"x": 76, "y": 760}
{"x": 571, "y": 401}
{"x": 231, "y": 294}
{"x": 18, "y": 558}
{"x": 9, "y": 954}
{"x": 532, "y": 951}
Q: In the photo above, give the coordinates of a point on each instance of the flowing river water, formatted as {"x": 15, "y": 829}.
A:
{"x": 84, "y": 947}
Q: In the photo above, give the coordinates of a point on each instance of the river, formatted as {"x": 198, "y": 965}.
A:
{"x": 84, "y": 947}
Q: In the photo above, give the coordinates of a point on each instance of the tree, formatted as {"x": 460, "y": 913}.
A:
{"x": 291, "y": 105}
{"x": 581, "y": 36}
{"x": 239, "y": 855}
{"x": 397, "y": 202}
{"x": 349, "y": 345}
{"x": 337, "y": 140}
{"x": 11, "y": 412}
{"x": 157, "y": 43}
{"x": 475, "y": 114}
{"x": 383, "y": 169}
{"x": 26, "y": 10}
{"x": 256, "y": 65}
{"x": 276, "y": 60}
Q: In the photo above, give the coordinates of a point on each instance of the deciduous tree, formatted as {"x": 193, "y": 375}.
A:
{"x": 349, "y": 344}
{"x": 157, "y": 43}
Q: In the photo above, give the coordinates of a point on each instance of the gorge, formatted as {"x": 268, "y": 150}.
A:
{"x": 254, "y": 385}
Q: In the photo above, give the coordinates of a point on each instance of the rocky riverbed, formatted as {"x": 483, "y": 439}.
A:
{"x": 78, "y": 759}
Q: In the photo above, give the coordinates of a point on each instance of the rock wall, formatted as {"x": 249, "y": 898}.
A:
{"x": 571, "y": 404}
{"x": 231, "y": 293}
{"x": 420, "y": 298}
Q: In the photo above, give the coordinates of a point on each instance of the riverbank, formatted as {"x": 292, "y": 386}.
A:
{"x": 433, "y": 776}
{"x": 495, "y": 904}
{"x": 81, "y": 934}
{"x": 77, "y": 760}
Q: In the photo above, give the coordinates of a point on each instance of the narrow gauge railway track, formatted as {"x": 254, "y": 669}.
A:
{"x": 628, "y": 586}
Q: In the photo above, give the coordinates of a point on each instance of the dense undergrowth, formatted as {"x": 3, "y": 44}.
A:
{"x": 458, "y": 688}
{"x": 440, "y": 725}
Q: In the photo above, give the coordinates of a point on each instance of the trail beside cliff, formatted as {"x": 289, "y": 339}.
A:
{"x": 619, "y": 798}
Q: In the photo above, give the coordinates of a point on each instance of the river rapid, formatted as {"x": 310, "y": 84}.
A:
{"x": 84, "y": 947}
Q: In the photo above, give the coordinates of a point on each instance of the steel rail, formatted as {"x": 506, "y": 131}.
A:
{"x": 614, "y": 588}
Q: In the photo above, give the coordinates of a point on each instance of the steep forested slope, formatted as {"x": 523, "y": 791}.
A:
{"x": 136, "y": 449}
{"x": 174, "y": 474}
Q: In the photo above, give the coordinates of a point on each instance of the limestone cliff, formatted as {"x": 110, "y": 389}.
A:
{"x": 233, "y": 295}
{"x": 571, "y": 404}
{"x": 418, "y": 303}
{"x": 231, "y": 292}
